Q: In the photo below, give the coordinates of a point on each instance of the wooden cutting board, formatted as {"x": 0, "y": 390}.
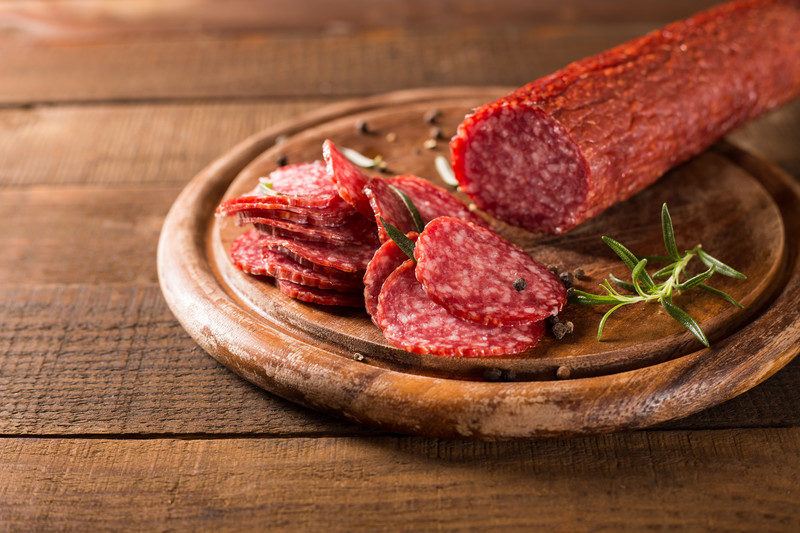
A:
{"x": 646, "y": 370}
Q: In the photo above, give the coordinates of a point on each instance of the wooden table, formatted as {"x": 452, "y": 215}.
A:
{"x": 111, "y": 417}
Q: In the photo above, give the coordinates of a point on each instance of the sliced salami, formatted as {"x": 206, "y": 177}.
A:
{"x": 250, "y": 255}
{"x": 308, "y": 216}
{"x": 433, "y": 201}
{"x": 349, "y": 179}
{"x": 477, "y": 275}
{"x": 303, "y": 185}
{"x": 323, "y": 256}
{"x": 384, "y": 262}
{"x": 388, "y": 205}
{"x": 412, "y": 321}
{"x": 319, "y": 296}
{"x": 357, "y": 230}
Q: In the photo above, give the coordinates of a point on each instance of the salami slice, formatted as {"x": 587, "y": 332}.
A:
{"x": 302, "y": 184}
{"x": 357, "y": 230}
{"x": 308, "y": 216}
{"x": 326, "y": 257}
{"x": 384, "y": 262}
{"x": 477, "y": 275}
{"x": 563, "y": 148}
{"x": 412, "y": 321}
{"x": 319, "y": 296}
{"x": 433, "y": 201}
{"x": 388, "y": 205}
{"x": 250, "y": 255}
{"x": 348, "y": 178}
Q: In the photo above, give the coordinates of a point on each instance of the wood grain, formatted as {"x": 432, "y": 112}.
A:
{"x": 743, "y": 480}
{"x": 111, "y": 359}
{"x": 92, "y": 19}
{"x": 247, "y": 65}
{"x": 136, "y": 145}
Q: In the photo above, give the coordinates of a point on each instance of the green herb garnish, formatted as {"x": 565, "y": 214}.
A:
{"x": 399, "y": 238}
{"x": 644, "y": 288}
{"x": 415, "y": 216}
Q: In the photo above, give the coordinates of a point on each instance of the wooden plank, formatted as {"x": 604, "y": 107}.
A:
{"x": 87, "y": 359}
{"x": 269, "y": 64}
{"x": 711, "y": 480}
{"x": 94, "y": 145}
{"x": 73, "y": 19}
{"x": 154, "y": 145}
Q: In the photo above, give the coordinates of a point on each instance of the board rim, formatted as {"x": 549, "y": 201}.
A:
{"x": 292, "y": 368}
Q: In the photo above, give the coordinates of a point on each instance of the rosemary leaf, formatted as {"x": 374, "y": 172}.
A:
{"x": 621, "y": 283}
{"x": 685, "y": 320}
{"x": 585, "y": 298}
{"x": 669, "y": 233}
{"x": 696, "y": 280}
{"x": 638, "y": 273}
{"x": 605, "y": 318}
{"x": 628, "y": 258}
{"x": 411, "y": 208}
{"x": 721, "y": 267}
{"x": 399, "y": 238}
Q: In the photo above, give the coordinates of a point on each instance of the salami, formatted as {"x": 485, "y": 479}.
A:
{"x": 563, "y": 148}
{"x": 357, "y": 230}
{"x": 477, "y": 275}
{"x": 412, "y": 321}
{"x": 302, "y": 185}
{"x": 319, "y": 296}
{"x": 323, "y": 256}
{"x": 384, "y": 262}
{"x": 312, "y": 217}
{"x": 348, "y": 178}
{"x": 387, "y": 205}
{"x": 250, "y": 255}
{"x": 433, "y": 201}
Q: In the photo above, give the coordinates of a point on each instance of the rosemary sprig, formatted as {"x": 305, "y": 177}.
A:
{"x": 643, "y": 288}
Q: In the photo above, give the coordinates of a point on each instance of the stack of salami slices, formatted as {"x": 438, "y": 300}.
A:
{"x": 315, "y": 226}
{"x": 467, "y": 292}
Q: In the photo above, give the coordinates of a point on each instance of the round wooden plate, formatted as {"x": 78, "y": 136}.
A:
{"x": 645, "y": 371}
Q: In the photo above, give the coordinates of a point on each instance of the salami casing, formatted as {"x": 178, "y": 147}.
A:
{"x": 319, "y": 296}
{"x": 563, "y": 148}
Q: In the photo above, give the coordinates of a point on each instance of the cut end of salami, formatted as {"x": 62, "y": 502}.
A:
{"x": 563, "y": 148}
{"x": 349, "y": 179}
{"x": 474, "y": 274}
{"x": 519, "y": 164}
{"x": 388, "y": 257}
{"x": 412, "y": 321}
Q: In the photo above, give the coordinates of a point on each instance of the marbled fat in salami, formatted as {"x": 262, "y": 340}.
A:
{"x": 327, "y": 257}
{"x": 431, "y": 200}
{"x": 412, "y": 321}
{"x": 302, "y": 185}
{"x": 356, "y": 230}
{"x": 348, "y": 178}
{"x": 563, "y": 148}
{"x": 250, "y": 255}
{"x": 319, "y": 296}
{"x": 477, "y": 275}
{"x": 388, "y": 257}
{"x": 389, "y": 206}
